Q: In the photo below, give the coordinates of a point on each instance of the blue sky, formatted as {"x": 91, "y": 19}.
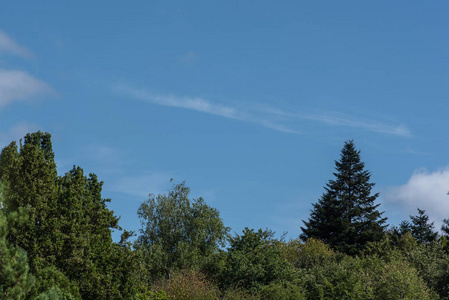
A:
{"x": 250, "y": 102}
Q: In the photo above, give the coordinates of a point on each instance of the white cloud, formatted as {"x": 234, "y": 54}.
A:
{"x": 18, "y": 85}
{"x": 8, "y": 45}
{"x": 424, "y": 190}
{"x": 280, "y": 120}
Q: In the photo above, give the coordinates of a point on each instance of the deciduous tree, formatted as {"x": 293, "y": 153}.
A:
{"x": 178, "y": 232}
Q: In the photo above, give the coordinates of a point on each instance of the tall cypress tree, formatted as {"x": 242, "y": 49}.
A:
{"x": 30, "y": 178}
{"x": 346, "y": 216}
{"x": 67, "y": 234}
{"x": 16, "y": 282}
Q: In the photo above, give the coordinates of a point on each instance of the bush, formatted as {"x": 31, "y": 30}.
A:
{"x": 305, "y": 255}
{"x": 336, "y": 280}
{"x": 398, "y": 280}
{"x": 281, "y": 291}
{"x": 430, "y": 262}
{"x": 186, "y": 285}
{"x": 432, "y": 265}
{"x": 236, "y": 294}
{"x": 51, "y": 281}
{"x": 254, "y": 260}
{"x": 149, "y": 295}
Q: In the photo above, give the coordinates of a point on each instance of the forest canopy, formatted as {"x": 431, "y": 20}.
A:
{"x": 55, "y": 242}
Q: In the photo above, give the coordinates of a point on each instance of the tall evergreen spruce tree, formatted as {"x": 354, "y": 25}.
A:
{"x": 346, "y": 217}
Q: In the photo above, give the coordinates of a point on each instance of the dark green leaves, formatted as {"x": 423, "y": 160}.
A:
{"x": 254, "y": 260}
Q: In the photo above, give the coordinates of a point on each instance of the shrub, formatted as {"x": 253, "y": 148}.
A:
{"x": 254, "y": 260}
{"x": 237, "y": 294}
{"x": 54, "y": 284}
{"x": 281, "y": 291}
{"x": 398, "y": 280}
{"x": 336, "y": 280}
{"x": 187, "y": 285}
{"x": 305, "y": 255}
{"x": 149, "y": 295}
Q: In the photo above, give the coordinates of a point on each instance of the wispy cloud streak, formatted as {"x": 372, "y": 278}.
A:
{"x": 202, "y": 105}
{"x": 270, "y": 117}
{"x": 8, "y": 45}
{"x": 366, "y": 125}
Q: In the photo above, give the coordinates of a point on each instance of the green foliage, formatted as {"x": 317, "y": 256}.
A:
{"x": 421, "y": 229}
{"x": 384, "y": 271}
{"x": 68, "y": 228}
{"x": 55, "y": 243}
{"x": 282, "y": 291}
{"x": 405, "y": 243}
{"x": 364, "y": 278}
{"x": 305, "y": 255}
{"x": 30, "y": 179}
{"x": 397, "y": 279}
{"x": 254, "y": 260}
{"x": 238, "y": 294}
{"x": 346, "y": 217}
{"x": 55, "y": 293}
{"x": 445, "y": 228}
{"x": 128, "y": 272}
{"x": 51, "y": 281}
{"x": 178, "y": 232}
{"x": 85, "y": 251}
{"x": 430, "y": 262}
{"x": 186, "y": 285}
{"x": 335, "y": 280}
{"x": 392, "y": 243}
{"x": 432, "y": 265}
{"x": 16, "y": 282}
{"x": 150, "y": 295}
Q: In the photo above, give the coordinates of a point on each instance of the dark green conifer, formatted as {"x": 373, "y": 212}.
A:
{"x": 67, "y": 234}
{"x": 445, "y": 228}
{"x": 16, "y": 282}
{"x": 30, "y": 180}
{"x": 421, "y": 229}
{"x": 346, "y": 217}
